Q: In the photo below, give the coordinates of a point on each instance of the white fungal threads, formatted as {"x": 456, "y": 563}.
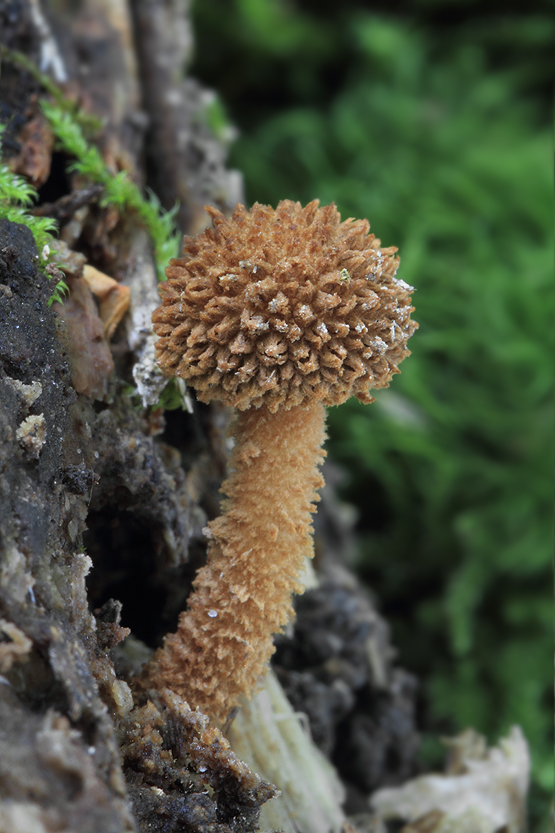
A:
{"x": 376, "y": 270}
{"x": 379, "y": 345}
{"x": 403, "y": 284}
{"x": 256, "y": 324}
{"x": 212, "y": 613}
{"x": 394, "y": 328}
{"x": 305, "y": 313}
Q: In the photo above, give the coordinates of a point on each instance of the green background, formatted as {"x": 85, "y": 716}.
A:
{"x": 432, "y": 119}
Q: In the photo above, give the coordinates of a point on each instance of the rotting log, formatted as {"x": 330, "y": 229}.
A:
{"x": 83, "y": 473}
{"x": 103, "y": 498}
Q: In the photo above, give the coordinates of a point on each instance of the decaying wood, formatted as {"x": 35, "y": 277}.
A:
{"x": 69, "y": 771}
{"x": 65, "y": 715}
{"x": 103, "y": 498}
{"x": 164, "y": 40}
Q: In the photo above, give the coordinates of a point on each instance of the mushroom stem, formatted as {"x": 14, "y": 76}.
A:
{"x": 256, "y": 554}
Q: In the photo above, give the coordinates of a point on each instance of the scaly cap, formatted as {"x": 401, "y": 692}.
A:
{"x": 279, "y": 306}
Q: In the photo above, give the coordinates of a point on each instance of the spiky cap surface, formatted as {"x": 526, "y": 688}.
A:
{"x": 283, "y": 306}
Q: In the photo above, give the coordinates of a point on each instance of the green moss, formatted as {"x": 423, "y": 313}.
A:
{"x": 172, "y": 396}
{"x": 70, "y": 125}
{"x": 119, "y": 190}
{"x": 16, "y": 195}
{"x": 86, "y": 121}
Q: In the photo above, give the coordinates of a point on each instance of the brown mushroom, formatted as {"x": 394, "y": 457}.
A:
{"x": 278, "y": 312}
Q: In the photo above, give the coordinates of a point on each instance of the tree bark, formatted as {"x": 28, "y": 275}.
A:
{"x": 96, "y": 512}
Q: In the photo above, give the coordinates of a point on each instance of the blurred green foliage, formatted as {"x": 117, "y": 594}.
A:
{"x": 443, "y": 143}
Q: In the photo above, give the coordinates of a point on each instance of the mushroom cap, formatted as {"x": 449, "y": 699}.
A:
{"x": 282, "y": 307}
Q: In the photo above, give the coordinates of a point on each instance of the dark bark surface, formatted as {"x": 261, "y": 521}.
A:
{"x": 49, "y": 688}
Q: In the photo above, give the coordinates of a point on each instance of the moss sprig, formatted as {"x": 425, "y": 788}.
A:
{"x": 16, "y": 195}
{"x": 119, "y": 190}
{"x": 90, "y": 123}
{"x": 60, "y": 290}
{"x": 70, "y": 125}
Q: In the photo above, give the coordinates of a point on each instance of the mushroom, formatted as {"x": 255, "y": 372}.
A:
{"x": 279, "y": 313}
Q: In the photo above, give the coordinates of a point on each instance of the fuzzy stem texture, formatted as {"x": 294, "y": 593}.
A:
{"x": 255, "y": 556}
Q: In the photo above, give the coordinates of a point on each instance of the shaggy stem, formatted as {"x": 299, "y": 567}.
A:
{"x": 255, "y": 556}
